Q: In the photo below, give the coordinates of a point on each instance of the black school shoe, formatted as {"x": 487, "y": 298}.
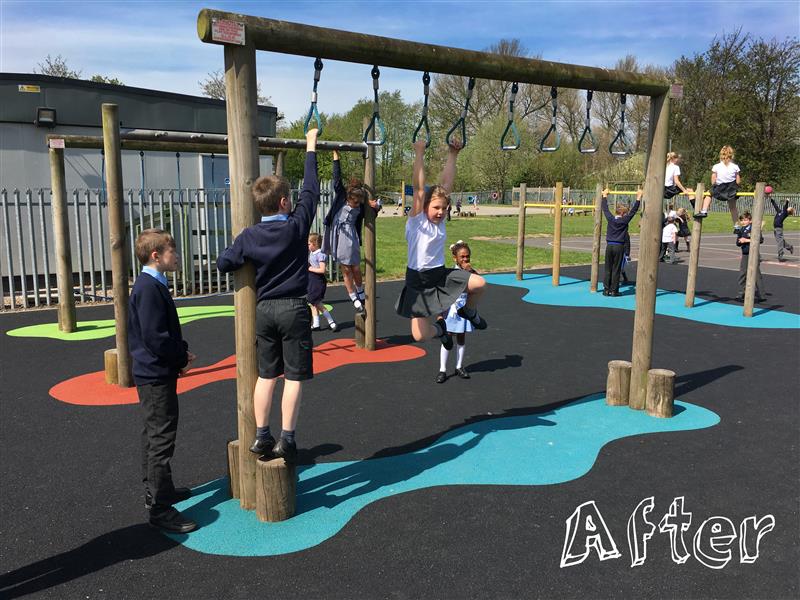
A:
{"x": 263, "y": 447}
{"x": 173, "y": 521}
{"x": 180, "y": 494}
{"x": 477, "y": 321}
{"x": 286, "y": 450}
{"x": 462, "y": 374}
{"x": 441, "y": 377}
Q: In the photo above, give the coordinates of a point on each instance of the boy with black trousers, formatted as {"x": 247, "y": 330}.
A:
{"x": 743, "y": 241}
{"x": 278, "y": 248}
{"x": 159, "y": 356}
{"x": 616, "y": 232}
{"x": 781, "y": 213}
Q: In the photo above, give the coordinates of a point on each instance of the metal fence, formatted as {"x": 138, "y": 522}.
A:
{"x": 198, "y": 219}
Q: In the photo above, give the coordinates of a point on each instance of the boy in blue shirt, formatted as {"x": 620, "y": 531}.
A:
{"x": 278, "y": 248}
{"x": 159, "y": 356}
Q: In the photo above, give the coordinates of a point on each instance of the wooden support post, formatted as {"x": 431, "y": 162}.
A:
{"x": 649, "y": 248}
{"x": 755, "y": 250}
{"x": 280, "y": 160}
{"x": 694, "y": 254}
{"x": 276, "y": 490}
{"x": 597, "y": 233}
{"x": 557, "y": 233}
{"x": 111, "y": 365}
{"x": 618, "y": 382}
{"x": 240, "y": 92}
{"x": 116, "y": 232}
{"x": 523, "y": 192}
{"x": 370, "y": 249}
{"x": 660, "y": 392}
{"x": 233, "y": 468}
{"x": 67, "y": 321}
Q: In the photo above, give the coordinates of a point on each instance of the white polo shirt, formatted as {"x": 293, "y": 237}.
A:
{"x": 725, "y": 173}
{"x": 425, "y": 242}
{"x": 672, "y": 171}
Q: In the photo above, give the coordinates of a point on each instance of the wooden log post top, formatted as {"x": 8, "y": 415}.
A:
{"x": 618, "y": 382}
{"x": 306, "y": 40}
{"x": 660, "y": 393}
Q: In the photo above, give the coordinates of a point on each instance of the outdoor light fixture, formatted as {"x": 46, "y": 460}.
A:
{"x": 45, "y": 117}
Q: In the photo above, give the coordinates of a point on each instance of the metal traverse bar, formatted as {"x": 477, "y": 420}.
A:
{"x": 346, "y": 46}
{"x": 172, "y": 141}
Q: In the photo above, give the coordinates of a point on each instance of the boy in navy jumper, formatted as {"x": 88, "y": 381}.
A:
{"x": 616, "y": 233}
{"x": 781, "y": 213}
{"x": 159, "y": 355}
{"x": 278, "y": 248}
{"x": 743, "y": 241}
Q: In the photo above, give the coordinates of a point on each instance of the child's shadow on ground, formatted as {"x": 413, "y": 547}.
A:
{"x": 496, "y": 364}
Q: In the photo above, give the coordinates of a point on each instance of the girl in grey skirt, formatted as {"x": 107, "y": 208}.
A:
{"x": 431, "y": 288}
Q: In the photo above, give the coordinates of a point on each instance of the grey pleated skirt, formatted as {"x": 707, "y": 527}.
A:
{"x": 430, "y": 292}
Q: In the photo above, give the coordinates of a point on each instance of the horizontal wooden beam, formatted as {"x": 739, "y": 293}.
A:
{"x": 171, "y": 141}
{"x": 347, "y": 46}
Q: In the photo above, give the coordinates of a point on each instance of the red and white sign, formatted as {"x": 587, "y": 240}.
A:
{"x": 676, "y": 91}
{"x": 227, "y": 32}
{"x": 57, "y": 143}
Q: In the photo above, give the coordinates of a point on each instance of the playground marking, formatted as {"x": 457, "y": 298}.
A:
{"x": 544, "y": 448}
{"x": 91, "y": 389}
{"x": 575, "y": 292}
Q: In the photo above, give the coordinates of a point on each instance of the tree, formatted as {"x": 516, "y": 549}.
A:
{"x": 104, "y": 79}
{"x": 213, "y": 86}
{"x": 56, "y": 67}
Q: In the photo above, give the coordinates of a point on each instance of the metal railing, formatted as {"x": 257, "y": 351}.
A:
{"x": 198, "y": 219}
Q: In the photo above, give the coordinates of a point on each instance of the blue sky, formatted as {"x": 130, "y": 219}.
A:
{"x": 155, "y": 44}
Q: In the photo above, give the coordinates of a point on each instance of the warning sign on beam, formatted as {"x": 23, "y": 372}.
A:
{"x": 57, "y": 143}
{"x": 227, "y": 32}
{"x": 676, "y": 91}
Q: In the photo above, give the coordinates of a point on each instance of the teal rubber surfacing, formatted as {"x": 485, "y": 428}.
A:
{"x": 543, "y": 448}
{"x": 575, "y": 292}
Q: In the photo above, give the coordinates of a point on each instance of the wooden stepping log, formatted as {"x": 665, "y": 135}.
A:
{"x": 660, "y": 393}
{"x": 111, "y": 366}
{"x": 233, "y": 468}
{"x": 618, "y": 384}
{"x": 276, "y": 490}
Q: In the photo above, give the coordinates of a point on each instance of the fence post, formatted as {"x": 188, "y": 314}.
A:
{"x": 523, "y": 192}
{"x": 66, "y": 297}
{"x": 694, "y": 253}
{"x": 280, "y": 160}
{"x": 597, "y": 233}
{"x": 557, "y": 233}
{"x": 116, "y": 231}
{"x": 754, "y": 257}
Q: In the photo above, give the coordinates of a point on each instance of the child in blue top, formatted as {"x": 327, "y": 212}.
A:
{"x": 278, "y": 248}
{"x": 159, "y": 356}
{"x": 317, "y": 284}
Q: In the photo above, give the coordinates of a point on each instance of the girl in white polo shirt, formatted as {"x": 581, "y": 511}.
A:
{"x": 431, "y": 288}
{"x": 672, "y": 181}
{"x": 725, "y": 181}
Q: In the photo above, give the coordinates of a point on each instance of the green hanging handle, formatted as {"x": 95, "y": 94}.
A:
{"x": 423, "y": 122}
{"x": 461, "y": 122}
{"x": 510, "y": 126}
{"x": 313, "y": 113}
{"x": 376, "y": 123}
{"x": 553, "y": 128}
{"x": 620, "y": 137}
{"x": 588, "y": 129}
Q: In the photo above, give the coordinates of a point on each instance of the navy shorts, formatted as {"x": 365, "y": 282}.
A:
{"x": 283, "y": 339}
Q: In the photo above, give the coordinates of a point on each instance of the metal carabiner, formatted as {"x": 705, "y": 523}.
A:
{"x": 553, "y": 129}
{"x": 462, "y": 119}
{"x": 313, "y": 113}
{"x": 588, "y": 128}
{"x": 376, "y": 123}
{"x": 620, "y": 137}
{"x": 510, "y": 126}
{"x": 423, "y": 122}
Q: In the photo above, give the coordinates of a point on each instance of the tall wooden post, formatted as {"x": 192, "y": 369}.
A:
{"x": 116, "y": 232}
{"x": 240, "y": 93}
{"x": 694, "y": 254}
{"x": 755, "y": 250}
{"x": 557, "y": 233}
{"x": 649, "y": 247}
{"x": 523, "y": 192}
{"x": 597, "y": 233}
{"x": 280, "y": 160}
{"x": 66, "y": 298}
{"x": 370, "y": 249}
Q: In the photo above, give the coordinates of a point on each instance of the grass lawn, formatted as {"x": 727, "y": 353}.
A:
{"x": 491, "y": 256}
